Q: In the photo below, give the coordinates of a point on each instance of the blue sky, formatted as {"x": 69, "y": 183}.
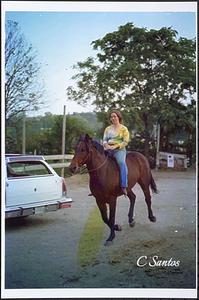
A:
{"x": 63, "y": 38}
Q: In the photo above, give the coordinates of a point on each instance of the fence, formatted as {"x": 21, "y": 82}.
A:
{"x": 166, "y": 160}
{"x": 172, "y": 161}
{"x": 65, "y": 161}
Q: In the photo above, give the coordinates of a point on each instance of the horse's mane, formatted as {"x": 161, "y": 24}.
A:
{"x": 95, "y": 143}
{"x": 98, "y": 146}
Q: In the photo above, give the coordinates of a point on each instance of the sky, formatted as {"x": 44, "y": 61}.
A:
{"x": 62, "y": 38}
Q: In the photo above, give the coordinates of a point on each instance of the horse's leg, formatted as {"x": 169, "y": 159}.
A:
{"x": 103, "y": 210}
{"x": 132, "y": 197}
{"x": 112, "y": 209}
{"x": 111, "y": 220}
{"x": 146, "y": 191}
{"x": 113, "y": 227}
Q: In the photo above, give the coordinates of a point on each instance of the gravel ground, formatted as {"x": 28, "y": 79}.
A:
{"x": 171, "y": 237}
{"x": 42, "y": 251}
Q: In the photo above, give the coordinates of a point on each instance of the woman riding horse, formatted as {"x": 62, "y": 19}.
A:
{"x": 105, "y": 180}
{"x": 115, "y": 139}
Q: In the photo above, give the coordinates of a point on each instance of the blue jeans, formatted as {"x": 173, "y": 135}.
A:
{"x": 120, "y": 156}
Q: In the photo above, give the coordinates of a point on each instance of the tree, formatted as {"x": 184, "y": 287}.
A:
{"x": 48, "y": 140}
{"x": 183, "y": 125}
{"x": 44, "y": 133}
{"x": 22, "y": 91}
{"x": 139, "y": 70}
{"x": 75, "y": 126}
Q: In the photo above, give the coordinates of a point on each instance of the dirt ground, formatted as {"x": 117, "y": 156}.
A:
{"x": 172, "y": 238}
{"x": 41, "y": 251}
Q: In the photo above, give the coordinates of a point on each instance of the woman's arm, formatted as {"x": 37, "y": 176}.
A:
{"x": 125, "y": 135}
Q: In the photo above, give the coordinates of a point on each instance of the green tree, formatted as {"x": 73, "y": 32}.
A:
{"x": 182, "y": 123}
{"x": 75, "y": 126}
{"x": 44, "y": 133}
{"x": 49, "y": 140}
{"x": 22, "y": 89}
{"x": 142, "y": 71}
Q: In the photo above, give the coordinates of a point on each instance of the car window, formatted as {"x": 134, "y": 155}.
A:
{"x": 30, "y": 168}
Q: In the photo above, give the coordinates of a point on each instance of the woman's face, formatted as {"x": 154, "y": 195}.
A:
{"x": 114, "y": 119}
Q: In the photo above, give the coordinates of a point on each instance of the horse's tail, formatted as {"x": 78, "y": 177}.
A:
{"x": 153, "y": 185}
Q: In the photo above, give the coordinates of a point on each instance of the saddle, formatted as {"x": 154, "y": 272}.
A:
{"x": 109, "y": 153}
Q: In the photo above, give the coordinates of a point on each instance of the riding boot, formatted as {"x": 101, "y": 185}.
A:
{"x": 124, "y": 190}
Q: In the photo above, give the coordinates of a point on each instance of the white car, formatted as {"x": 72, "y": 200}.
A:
{"x": 32, "y": 187}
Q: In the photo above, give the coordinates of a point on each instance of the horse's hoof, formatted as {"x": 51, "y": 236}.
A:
{"x": 152, "y": 219}
{"x": 117, "y": 227}
{"x": 108, "y": 243}
{"x": 132, "y": 224}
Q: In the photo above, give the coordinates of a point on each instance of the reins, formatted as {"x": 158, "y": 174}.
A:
{"x": 99, "y": 165}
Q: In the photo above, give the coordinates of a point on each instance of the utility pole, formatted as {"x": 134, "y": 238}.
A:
{"x": 158, "y": 146}
{"x": 24, "y": 134}
{"x": 63, "y": 138}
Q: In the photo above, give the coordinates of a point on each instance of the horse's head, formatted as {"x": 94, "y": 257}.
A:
{"x": 82, "y": 153}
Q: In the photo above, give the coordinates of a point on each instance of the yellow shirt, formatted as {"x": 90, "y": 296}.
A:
{"x": 116, "y": 137}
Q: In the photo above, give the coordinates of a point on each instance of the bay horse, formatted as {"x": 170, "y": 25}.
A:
{"x": 104, "y": 180}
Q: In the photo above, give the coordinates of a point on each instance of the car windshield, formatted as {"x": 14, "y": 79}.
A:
{"x": 27, "y": 168}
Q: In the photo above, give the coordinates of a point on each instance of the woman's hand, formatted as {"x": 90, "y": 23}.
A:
{"x": 110, "y": 147}
{"x": 107, "y": 146}
{"x": 113, "y": 147}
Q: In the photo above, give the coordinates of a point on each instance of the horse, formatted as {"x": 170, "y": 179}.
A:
{"x": 104, "y": 180}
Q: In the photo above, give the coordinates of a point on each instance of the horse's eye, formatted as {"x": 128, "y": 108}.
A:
{"x": 82, "y": 150}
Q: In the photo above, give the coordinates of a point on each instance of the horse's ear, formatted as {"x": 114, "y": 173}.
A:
{"x": 87, "y": 137}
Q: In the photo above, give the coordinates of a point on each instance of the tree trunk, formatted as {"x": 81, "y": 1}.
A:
{"x": 146, "y": 144}
{"x": 146, "y": 135}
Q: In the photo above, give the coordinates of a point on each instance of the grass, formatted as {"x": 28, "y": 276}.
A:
{"x": 91, "y": 238}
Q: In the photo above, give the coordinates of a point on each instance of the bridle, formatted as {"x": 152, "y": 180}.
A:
{"x": 94, "y": 169}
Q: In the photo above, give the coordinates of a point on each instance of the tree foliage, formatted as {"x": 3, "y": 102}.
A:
{"x": 22, "y": 90}
{"x": 44, "y": 134}
{"x": 145, "y": 72}
{"x": 75, "y": 126}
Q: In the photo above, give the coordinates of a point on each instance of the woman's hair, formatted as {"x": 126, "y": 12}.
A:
{"x": 118, "y": 113}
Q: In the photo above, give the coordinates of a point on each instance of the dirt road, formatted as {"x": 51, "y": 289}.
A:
{"x": 42, "y": 251}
